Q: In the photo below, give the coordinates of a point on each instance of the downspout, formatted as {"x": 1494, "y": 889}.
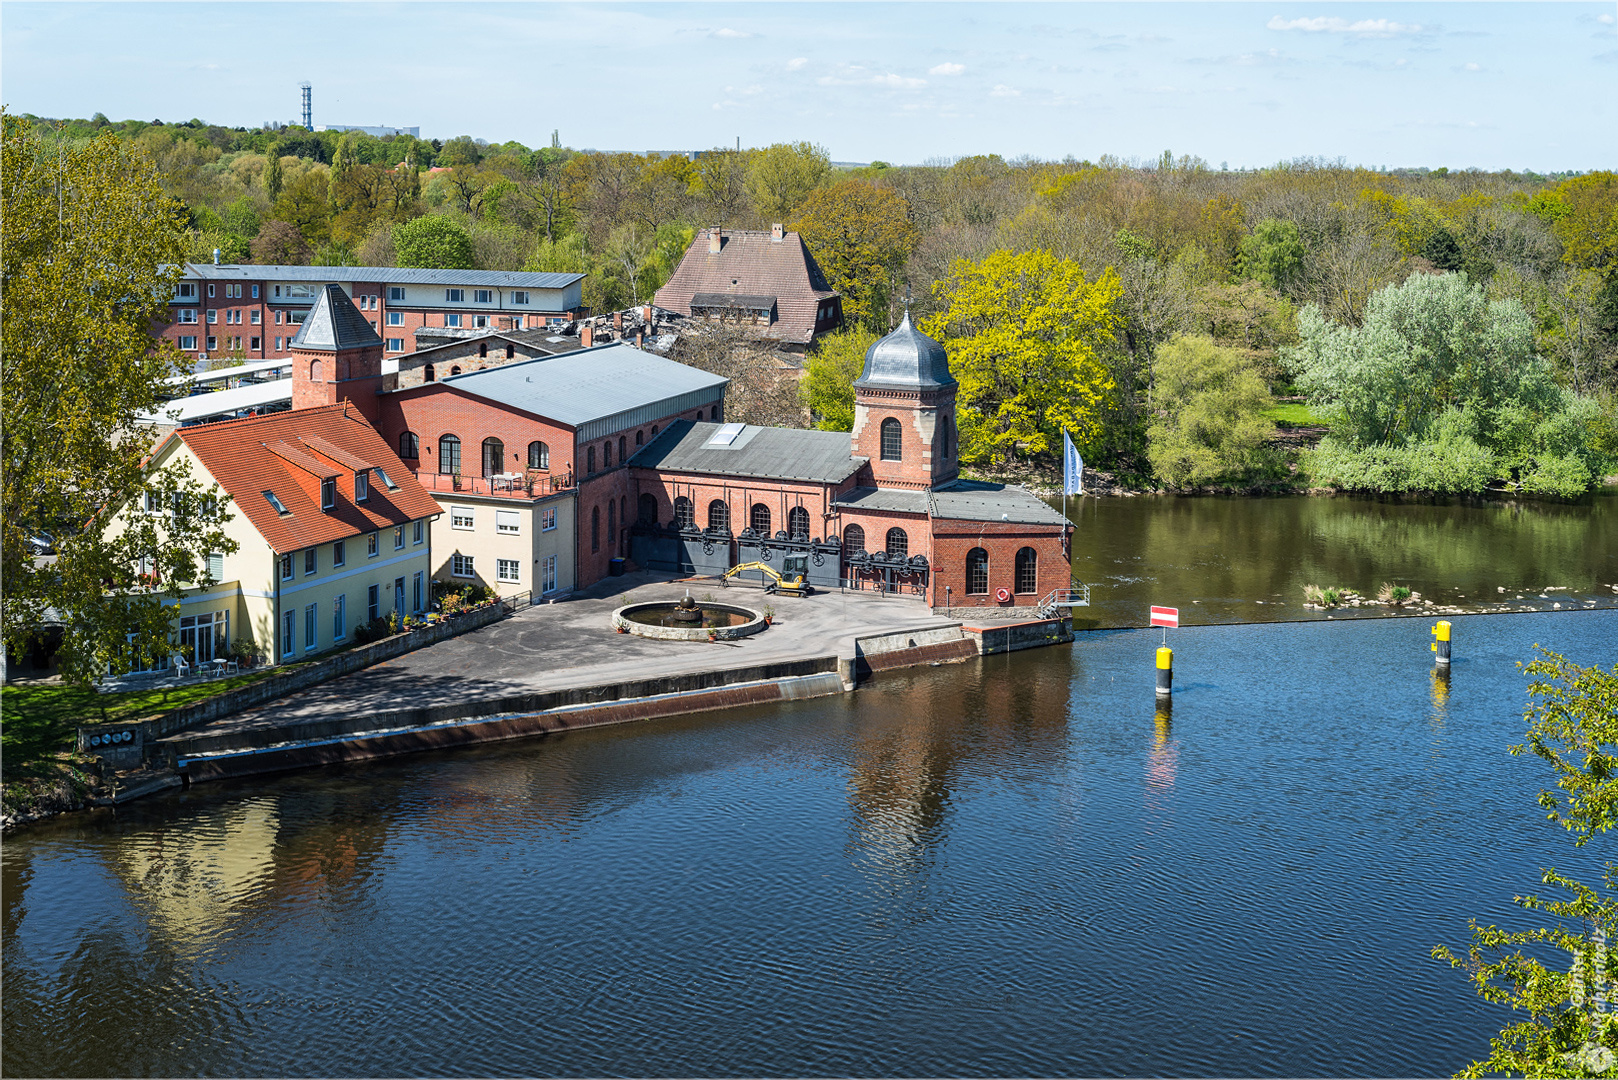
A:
{"x": 275, "y": 626}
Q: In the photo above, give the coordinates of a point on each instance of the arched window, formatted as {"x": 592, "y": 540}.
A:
{"x": 685, "y": 513}
{"x": 759, "y": 519}
{"x": 718, "y": 413}
{"x": 654, "y": 431}
{"x": 944, "y": 423}
{"x": 494, "y": 456}
{"x": 606, "y": 454}
{"x": 1027, "y": 570}
{"x": 539, "y": 456}
{"x": 314, "y": 371}
{"x": 623, "y": 513}
{"x": 640, "y": 438}
{"x": 409, "y": 445}
{"x": 455, "y": 370}
{"x": 718, "y": 516}
{"x": 892, "y": 440}
{"x": 612, "y": 524}
{"x": 427, "y": 373}
{"x": 648, "y": 508}
{"x": 510, "y": 352}
{"x": 595, "y": 528}
{"x": 623, "y": 445}
{"x": 590, "y": 460}
{"x": 449, "y": 454}
{"x": 977, "y": 572}
{"x": 798, "y": 523}
{"x": 853, "y": 540}
{"x": 898, "y": 544}
{"x": 483, "y": 350}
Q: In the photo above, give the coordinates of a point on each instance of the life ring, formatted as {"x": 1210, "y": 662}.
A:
{"x": 1002, "y": 595}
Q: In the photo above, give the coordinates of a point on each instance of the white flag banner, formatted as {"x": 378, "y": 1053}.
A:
{"x": 1073, "y": 468}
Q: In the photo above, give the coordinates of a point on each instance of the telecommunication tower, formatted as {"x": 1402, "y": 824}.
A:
{"x": 308, "y": 109}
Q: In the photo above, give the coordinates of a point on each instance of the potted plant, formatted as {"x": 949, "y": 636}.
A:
{"x": 455, "y": 481}
{"x": 769, "y": 615}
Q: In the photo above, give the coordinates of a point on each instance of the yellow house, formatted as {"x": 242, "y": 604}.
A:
{"x": 509, "y": 544}
{"x": 332, "y": 531}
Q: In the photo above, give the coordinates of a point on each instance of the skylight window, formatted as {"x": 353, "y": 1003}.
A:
{"x": 386, "y": 481}
{"x": 280, "y": 507}
{"x": 726, "y": 435}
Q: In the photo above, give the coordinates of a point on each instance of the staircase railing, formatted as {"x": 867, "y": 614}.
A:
{"x": 1078, "y": 595}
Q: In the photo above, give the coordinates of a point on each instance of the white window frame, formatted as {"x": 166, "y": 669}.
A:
{"x": 396, "y": 344}
{"x": 507, "y": 522}
{"x": 213, "y": 315}
{"x": 255, "y": 292}
{"x": 311, "y": 562}
{"x": 396, "y": 294}
{"x": 519, "y": 296}
{"x": 362, "y": 486}
{"x": 508, "y": 570}
{"x": 339, "y": 617}
{"x": 452, "y": 320}
{"x": 258, "y": 317}
{"x": 339, "y": 553}
{"x": 188, "y": 342}
{"x": 454, "y": 296}
{"x": 188, "y": 316}
{"x": 418, "y": 534}
{"x": 287, "y": 573}
{"x": 395, "y": 318}
{"x": 372, "y": 544}
{"x": 463, "y": 518}
{"x": 461, "y": 566}
{"x": 480, "y": 322}
{"x": 547, "y": 519}
{"x": 289, "y": 632}
{"x": 328, "y": 492}
{"x": 213, "y": 343}
{"x": 186, "y": 290}
{"x": 210, "y": 290}
{"x": 547, "y": 574}
{"x": 398, "y": 538}
{"x": 311, "y": 622}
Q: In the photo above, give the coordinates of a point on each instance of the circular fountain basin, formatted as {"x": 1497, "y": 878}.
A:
{"x": 724, "y": 621}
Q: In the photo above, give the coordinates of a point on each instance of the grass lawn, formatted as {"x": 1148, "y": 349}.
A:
{"x": 1295, "y": 413}
{"x": 37, "y": 722}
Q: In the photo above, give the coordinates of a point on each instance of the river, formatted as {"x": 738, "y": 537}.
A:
{"x": 1012, "y": 866}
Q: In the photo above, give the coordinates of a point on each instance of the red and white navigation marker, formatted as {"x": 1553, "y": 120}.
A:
{"x": 1165, "y": 616}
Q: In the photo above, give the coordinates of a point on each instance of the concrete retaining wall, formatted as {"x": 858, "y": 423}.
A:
{"x": 462, "y": 732}
{"x": 909, "y": 648}
{"x": 1026, "y": 635}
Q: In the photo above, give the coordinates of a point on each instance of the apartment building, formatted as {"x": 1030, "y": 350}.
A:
{"x": 255, "y": 311}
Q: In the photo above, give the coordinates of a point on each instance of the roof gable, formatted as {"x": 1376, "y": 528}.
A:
{"x": 760, "y": 267}
{"x": 334, "y": 324}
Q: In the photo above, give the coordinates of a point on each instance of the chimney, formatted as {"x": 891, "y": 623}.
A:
{"x": 775, "y": 232}
{"x": 646, "y": 314}
{"x": 714, "y": 240}
{"x": 585, "y": 336}
{"x": 618, "y": 321}
{"x": 216, "y": 256}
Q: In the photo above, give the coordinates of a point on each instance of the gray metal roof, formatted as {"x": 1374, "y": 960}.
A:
{"x": 588, "y": 387}
{"x": 906, "y": 359}
{"x": 975, "y": 500}
{"x": 335, "y": 324}
{"x": 221, "y": 402}
{"x": 386, "y": 275}
{"x": 769, "y": 453}
{"x": 896, "y": 499}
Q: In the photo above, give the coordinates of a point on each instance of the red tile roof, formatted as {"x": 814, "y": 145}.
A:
{"x": 287, "y": 453}
{"x": 759, "y": 266}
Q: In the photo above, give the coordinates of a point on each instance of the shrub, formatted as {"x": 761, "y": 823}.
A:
{"x": 1211, "y": 427}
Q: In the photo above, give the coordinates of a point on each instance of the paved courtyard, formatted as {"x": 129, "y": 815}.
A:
{"x": 572, "y": 643}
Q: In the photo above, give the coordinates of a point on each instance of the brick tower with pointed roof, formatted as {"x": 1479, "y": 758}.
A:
{"x": 904, "y": 411}
{"x": 336, "y": 355}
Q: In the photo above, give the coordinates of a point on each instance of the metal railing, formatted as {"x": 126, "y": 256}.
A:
{"x": 532, "y": 486}
{"x": 1078, "y": 595}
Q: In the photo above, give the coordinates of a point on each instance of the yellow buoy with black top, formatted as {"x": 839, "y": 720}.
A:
{"x": 1441, "y": 646}
{"x": 1165, "y": 670}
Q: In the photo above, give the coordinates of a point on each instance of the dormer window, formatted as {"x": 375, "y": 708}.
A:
{"x": 328, "y": 493}
{"x": 362, "y": 486}
{"x": 280, "y": 507}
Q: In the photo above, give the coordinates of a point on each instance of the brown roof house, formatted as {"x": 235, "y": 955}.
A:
{"x": 763, "y": 279}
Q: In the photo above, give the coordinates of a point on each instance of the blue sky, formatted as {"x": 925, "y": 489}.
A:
{"x": 1493, "y": 85}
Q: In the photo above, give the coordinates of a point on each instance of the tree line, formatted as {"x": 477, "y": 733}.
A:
{"x": 1163, "y": 305}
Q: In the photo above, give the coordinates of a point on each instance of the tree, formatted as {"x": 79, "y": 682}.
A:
{"x": 721, "y": 186}
{"x": 272, "y": 172}
{"x": 279, "y": 243}
{"x": 433, "y": 242}
{"x": 304, "y": 202}
{"x": 1273, "y": 254}
{"x": 828, "y": 376}
{"x": 860, "y": 235}
{"x": 1210, "y": 426}
{"x": 89, "y": 258}
{"x": 1573, "y": 726}
{"x": 763, "y": 390}
{"x": 780, "y": 177}
{"x": 1586, "y": 221}
{"x": 461, "y": 150}
{"x": 1023, "y": 331}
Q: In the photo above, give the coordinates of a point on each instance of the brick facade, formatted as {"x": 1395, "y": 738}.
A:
{"x": 926, "y": 418}
{"x": 954, "y": 540}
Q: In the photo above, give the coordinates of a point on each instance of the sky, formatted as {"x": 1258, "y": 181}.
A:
{"x": 1461, "y": 85}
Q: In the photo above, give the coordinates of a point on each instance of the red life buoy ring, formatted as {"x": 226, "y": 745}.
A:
{"x": 1002, "y": 595}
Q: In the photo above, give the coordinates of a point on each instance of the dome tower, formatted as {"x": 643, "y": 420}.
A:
{"x": 904, "y": 411}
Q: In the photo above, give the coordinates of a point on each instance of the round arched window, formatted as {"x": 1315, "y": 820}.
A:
{"x": 898, "y": 544}
{"x": 892, "y": 440}
{"x": 853, "y": 540}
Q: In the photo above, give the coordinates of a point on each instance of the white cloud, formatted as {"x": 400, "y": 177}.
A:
{"x": 946, "y": 69}
{"x": 1002, "y": 90}
{"x": 1334, "y": 25}
{"x": 1469, "y": 66}
{"x": 851, "y": 77}
{"x": 1609, "y": 19}
{"x": 797, "y": 62}
{"x": 899, "y": 82}
{"x": 727, "y": 32}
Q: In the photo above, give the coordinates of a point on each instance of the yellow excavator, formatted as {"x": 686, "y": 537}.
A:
{"x": 775, "y": 581}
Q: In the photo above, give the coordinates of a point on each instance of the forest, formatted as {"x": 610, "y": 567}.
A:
{"x": 1443, "y": 330}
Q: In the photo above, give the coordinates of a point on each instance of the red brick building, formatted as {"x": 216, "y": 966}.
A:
{"x": 255, "y": 311}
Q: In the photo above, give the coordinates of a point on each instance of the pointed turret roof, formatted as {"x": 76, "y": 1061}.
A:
{"x": 335, "y": 325}
{"x": 906, "y": 359}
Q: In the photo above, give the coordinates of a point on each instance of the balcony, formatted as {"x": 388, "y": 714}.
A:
{"x": 526, "y": 486}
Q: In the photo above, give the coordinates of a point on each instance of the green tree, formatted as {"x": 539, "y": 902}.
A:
{"x": 829, "y": 374}
{"x": 279, "y": 243}
{"x": 1273, "y": 254}
{"x": 1023, "y": 331}
{"x": 1210, "y": 427}
{"x": 860, "y": 234}
{"x": 305, "y": 203}
{"x": 1573, "y": 727}
{"x": 461, "y": 150}
{"x": 433, "y": 242}
{"x": 90, "y": 249}
{"x": 780, "y": 177}
{"x": 272, "y": 172}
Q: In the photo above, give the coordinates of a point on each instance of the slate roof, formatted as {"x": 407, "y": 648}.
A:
{"x": 898, "y": 499}
{"x": 578, "y": 387}
{"x": 250, "y": 457}
{"x": 975, "y": 500}
{"x": 907, "y": 359}
{"x": 769, "y": 453}
{"x": 383, "y": 275}
{"x": 529, "y": 339}
{"x": 761, "y": 267}
{"x": 335, "y": 324}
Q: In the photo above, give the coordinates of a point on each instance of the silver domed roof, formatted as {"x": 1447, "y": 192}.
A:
{"x": 908, "y": 359}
